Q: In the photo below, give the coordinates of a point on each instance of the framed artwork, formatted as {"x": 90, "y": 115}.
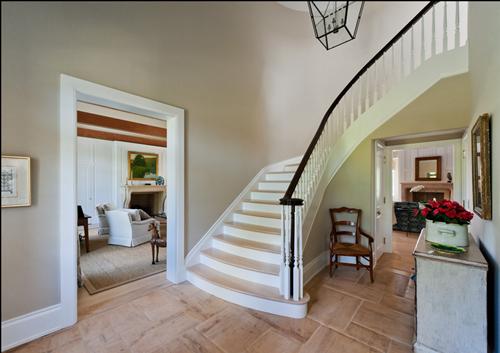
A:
{"x": 481, "y": 166}
{"x": 142, "y": 166}
{"x": 16, "y": 181}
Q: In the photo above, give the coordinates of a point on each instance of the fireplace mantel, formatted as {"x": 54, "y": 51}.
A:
{"x": 159, "y": 192}
{"x": 429, "y": 186}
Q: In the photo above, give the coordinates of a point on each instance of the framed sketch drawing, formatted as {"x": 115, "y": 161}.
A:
{"x": 16, "y": 181}
{"x": 481, "y": 167}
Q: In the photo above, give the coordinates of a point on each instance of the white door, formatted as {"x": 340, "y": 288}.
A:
{"x": 380, "y": 199}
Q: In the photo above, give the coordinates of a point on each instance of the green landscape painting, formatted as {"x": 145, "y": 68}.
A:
{"x": 142, "y": 166}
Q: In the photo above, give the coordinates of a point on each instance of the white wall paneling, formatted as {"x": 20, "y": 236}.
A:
{"x": 102, "y": 171}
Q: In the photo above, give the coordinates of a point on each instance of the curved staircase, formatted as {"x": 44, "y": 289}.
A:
{"x": 252, "y": 256}
{"x": 242, "y": 264}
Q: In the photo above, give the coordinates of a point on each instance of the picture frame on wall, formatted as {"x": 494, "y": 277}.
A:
{"x": 16, "y": 181}
{"x": 481, "y": 167}
{"x": 142, "y": 165}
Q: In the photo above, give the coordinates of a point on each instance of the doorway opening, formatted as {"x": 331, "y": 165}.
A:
{"x": 76, "y": 91}
{"x": 121, "y": 194}
{"x": 399, "y": 189}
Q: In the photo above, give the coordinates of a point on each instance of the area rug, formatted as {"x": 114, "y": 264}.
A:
{"x": 107, "y": 266}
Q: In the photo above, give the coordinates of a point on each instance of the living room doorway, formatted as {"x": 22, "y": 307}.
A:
{"x": 415, "y": 169}
{"x": 121, "y": 194}
{"x": 75, "y": 90}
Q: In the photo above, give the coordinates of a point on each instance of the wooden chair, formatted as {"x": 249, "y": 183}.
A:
{"x": 83, "y": 220}
{"x": 344, "y": 227}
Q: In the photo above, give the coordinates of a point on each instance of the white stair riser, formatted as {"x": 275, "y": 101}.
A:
{"x": 266, "y": 185}
{"x": 253, "y": 254}
{"x": 265, "y": 196}
{"x": 296, "y": 311}
{"x": 235, "y": 271}
{"x": 279, "y": 177}
{"x": 261, "y": 207}
{"x": 251, "y": 235}
{"x": 257, "y": 220}
{"x": 290, "y": 168}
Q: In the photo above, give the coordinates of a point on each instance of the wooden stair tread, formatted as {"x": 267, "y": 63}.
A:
{"x": 259, "y": 214}
{"x": 242, "y": 262}
{"x": 249, "y": 244}
{"x": 269, "y": 191}
{"x": 265, "y": 202}
{"x": 254, "y": 228}
{"x": 242, "y": 286}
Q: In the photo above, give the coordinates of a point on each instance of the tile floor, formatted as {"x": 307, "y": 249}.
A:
{"x": 347, "y": 314}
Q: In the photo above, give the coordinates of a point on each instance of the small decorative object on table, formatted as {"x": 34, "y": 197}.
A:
{"x": 446, "y": 222}
{"x": 449, "y": 177}
{"x": 159, "y": 180}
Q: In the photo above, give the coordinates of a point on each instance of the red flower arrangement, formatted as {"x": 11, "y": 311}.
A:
{"x": 445, "y": 211}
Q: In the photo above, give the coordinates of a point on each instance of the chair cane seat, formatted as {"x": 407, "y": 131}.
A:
{"x": 348, "y": 249}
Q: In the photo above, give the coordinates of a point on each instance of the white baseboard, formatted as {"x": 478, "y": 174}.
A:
{"x": 312, "y": 268}
{"x": 26, "y": 328}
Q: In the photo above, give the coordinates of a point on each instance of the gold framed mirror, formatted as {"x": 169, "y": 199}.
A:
{"x": 481, "y": 166}
{"x": 428, "y": 168}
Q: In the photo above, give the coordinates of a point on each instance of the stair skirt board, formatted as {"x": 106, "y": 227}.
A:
{"x": 295, "y": 311}
{"x": 253, "y": 235}
{"x": 246, "y": 252}
{"x": 268, "y": 279}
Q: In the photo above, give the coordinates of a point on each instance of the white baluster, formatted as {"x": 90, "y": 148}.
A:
{"x": 433, "y": 42}
{"x": 375, "y": 82}
{"x": 282, "y": 263}
{"x": 445, "y": 27}
{"x": 393, "y": 67}
{"x": 402, "y": 60}
{"x": 457, "y": 25}
{"x": 295, "y": 258}
{"x": 367, "y": 98}
{"x": 412, "y": 51}
{"x": 301, "y": 261}
{"x": 287, "y": 253}
{"x": 422, "y": 41}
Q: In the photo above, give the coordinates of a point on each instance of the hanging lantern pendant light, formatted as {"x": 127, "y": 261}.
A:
{"x": 335, "y": 22}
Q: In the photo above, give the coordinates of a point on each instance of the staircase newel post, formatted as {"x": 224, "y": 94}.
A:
{"x": 286, "y": 247}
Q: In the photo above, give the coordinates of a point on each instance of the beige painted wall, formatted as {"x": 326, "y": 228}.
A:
{"x": 253, "y": 81}
{"x": 484, "y": 64}
{"x": 444, "y": 106}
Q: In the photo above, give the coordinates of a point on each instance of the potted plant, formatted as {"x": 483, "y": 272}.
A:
{"x": 446, "y": 222}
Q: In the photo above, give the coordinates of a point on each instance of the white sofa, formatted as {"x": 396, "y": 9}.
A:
{"x": 127, "y": 228}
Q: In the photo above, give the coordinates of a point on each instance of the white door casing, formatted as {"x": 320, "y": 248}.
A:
{"x": 72, "y": 90}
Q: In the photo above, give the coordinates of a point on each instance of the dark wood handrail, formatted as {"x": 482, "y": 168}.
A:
{"x": 287, "y": 198}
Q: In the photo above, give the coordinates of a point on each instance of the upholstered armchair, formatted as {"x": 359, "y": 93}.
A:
{"x": 129, "y": 227}
{"x": 103, "y": 221}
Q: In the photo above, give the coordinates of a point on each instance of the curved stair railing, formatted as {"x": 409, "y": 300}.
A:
{"x": 411, "y": 47}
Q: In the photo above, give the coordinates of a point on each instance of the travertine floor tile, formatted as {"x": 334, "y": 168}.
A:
{"x": 332, "y": 308}
{"x": 386, "y": 321}
{"x": 274, "y": 342}
{"x": 299, "y": 329}
{"x": 397, "y": 347}
{"x": 368, "y": 337}
{"x": 233, "y": 329}
{"x": 325, "y": 340}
